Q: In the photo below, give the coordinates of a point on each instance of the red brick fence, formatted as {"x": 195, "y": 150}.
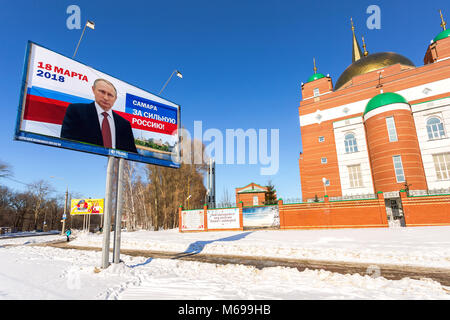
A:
{"x": 361, "y": 213}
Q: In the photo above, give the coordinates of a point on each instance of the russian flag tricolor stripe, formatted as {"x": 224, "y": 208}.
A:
{"x": 44, "y": 109}
{"x": 41, "y": 106}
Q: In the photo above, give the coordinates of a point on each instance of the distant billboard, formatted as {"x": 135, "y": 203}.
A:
{"x": 67, "y": 104}
{"x": 261, "y": 217}
{"x": 86, "y": 206}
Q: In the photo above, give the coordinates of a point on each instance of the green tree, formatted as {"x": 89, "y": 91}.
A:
{"x": 271, "y": 194}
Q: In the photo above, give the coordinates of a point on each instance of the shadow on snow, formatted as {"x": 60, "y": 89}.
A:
{"x": 197, "y": 247}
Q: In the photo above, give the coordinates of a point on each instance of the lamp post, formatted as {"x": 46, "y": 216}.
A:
{"x": 65, "y": 205}
{"x": 89, "y": 24}
{"x": 324, "y": 180}
{"x": 179, "y": 75}
{"x": 187, "y": 199}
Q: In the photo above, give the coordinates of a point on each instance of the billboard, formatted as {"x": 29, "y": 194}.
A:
{"x": 67, "y": 104}
{"x": 261, "y": 217}
{"x": 86, "y": 206}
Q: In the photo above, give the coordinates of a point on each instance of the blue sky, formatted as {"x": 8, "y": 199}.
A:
{"x": 242, "y": 65}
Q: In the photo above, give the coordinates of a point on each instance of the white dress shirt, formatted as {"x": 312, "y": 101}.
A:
{"x": 110, "y": 120}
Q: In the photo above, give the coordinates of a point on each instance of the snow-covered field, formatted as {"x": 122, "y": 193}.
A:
{"x": 425, "y": 246}
{"x": 31, "y": 272}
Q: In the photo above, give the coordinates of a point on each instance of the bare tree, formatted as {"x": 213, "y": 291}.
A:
{"x": 226, "y": 200}
{"x": 40, "y": 190}
{"x": 22, "y": 204}
{"x": 5, "y": 169}
{"x": 153, "y": 195}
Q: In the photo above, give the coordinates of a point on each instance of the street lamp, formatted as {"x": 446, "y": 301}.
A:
{"x": 65, "y": 205}
{"x": 89, "y": 24}
{"x": 187, "y": 199}
{"x": 324, "y": 180}
{"x": 179, "y": 75}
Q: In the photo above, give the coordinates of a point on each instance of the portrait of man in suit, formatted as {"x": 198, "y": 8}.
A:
{"x": 97, "y": 123}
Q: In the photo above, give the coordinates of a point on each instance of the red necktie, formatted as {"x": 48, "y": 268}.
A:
{"x": 106, "y": 131}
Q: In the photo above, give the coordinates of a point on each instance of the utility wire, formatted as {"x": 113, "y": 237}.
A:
{"x": 9, "y": 178}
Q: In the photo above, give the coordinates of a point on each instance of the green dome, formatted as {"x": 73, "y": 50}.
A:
{"x": 316, "y": 76}
{"x": 442, "y": 35}
{"x": 384, "y": 99}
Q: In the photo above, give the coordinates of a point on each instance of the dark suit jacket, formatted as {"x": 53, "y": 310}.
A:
{"x": 81, "y": 124}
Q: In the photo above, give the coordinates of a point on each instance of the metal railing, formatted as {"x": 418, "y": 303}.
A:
{"x": 340, "y": 198}
{"x": 224, "y": 205}
{"x": 430, "y": 192}
{"x": 297, "y": 200}
{"x": 355, "y": 197}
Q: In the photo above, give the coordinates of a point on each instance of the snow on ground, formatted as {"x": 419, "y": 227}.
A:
{"x": 32, "y": 272}
{"x": 30, "y": 239}
{"x": 28, "y": 272}
{"x": 421, "y": 246}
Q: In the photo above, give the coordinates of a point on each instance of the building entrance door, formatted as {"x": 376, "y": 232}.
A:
{"x": 394, "y": 213}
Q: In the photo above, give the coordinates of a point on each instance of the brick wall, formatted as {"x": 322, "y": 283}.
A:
{"x": 361, "y": 213}
{"x": 426, "y": 210}
{"x": 335, "y": 214}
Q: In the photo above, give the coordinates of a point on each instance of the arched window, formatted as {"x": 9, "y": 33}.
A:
{"x": 435, "y": 128}
{"x": 350, "y": 143}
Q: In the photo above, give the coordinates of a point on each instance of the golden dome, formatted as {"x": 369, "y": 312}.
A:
{"x": 370, "y": 63}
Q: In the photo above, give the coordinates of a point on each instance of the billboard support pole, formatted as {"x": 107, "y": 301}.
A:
{"x": 65, "y": 212}
{"x": 107, "y": 212}
{"x": 118, "y": 217}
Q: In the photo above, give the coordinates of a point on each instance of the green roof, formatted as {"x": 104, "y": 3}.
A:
{"x": 316, "y": 76}
{"x": 383, "y": 99}
{"x": 442, "y": 35}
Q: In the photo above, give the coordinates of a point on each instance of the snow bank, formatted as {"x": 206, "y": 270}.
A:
{"x": 423, "y": 246}
{"x": 37, "y": 272}
{"x": 29, "y": 272}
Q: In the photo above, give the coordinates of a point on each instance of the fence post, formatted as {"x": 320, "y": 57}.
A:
{"x": 382, "y": 208}
{"x": 281, "y": 213}
{"x": 180, "y": 218}
{"x": 205, "y": 216}
{"x": 241, "y": 215}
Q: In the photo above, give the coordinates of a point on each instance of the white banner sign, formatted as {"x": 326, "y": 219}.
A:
{"x": 192, "y": 220}
{"x": 223, "y": 218}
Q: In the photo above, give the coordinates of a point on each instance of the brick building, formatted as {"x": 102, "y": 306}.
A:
{"x": 251, "y": 195}
{"x": 384, "y": 126}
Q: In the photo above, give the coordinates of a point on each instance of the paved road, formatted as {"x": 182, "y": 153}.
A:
{"x": 392, "y": 272}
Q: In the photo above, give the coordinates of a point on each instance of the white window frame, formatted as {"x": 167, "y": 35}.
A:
{"x": 396, "y": 167}
{"x": 392, "y": 131}
{"x": 355, "y": 176}
{"x": 316, "y": 92}
{"x": 322, "y": 160}
{"x": 437, "y": 130}
{"x": 321, "y": 139}
{"x": 442, "y": 166}
{"x": 350, "y": 147}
